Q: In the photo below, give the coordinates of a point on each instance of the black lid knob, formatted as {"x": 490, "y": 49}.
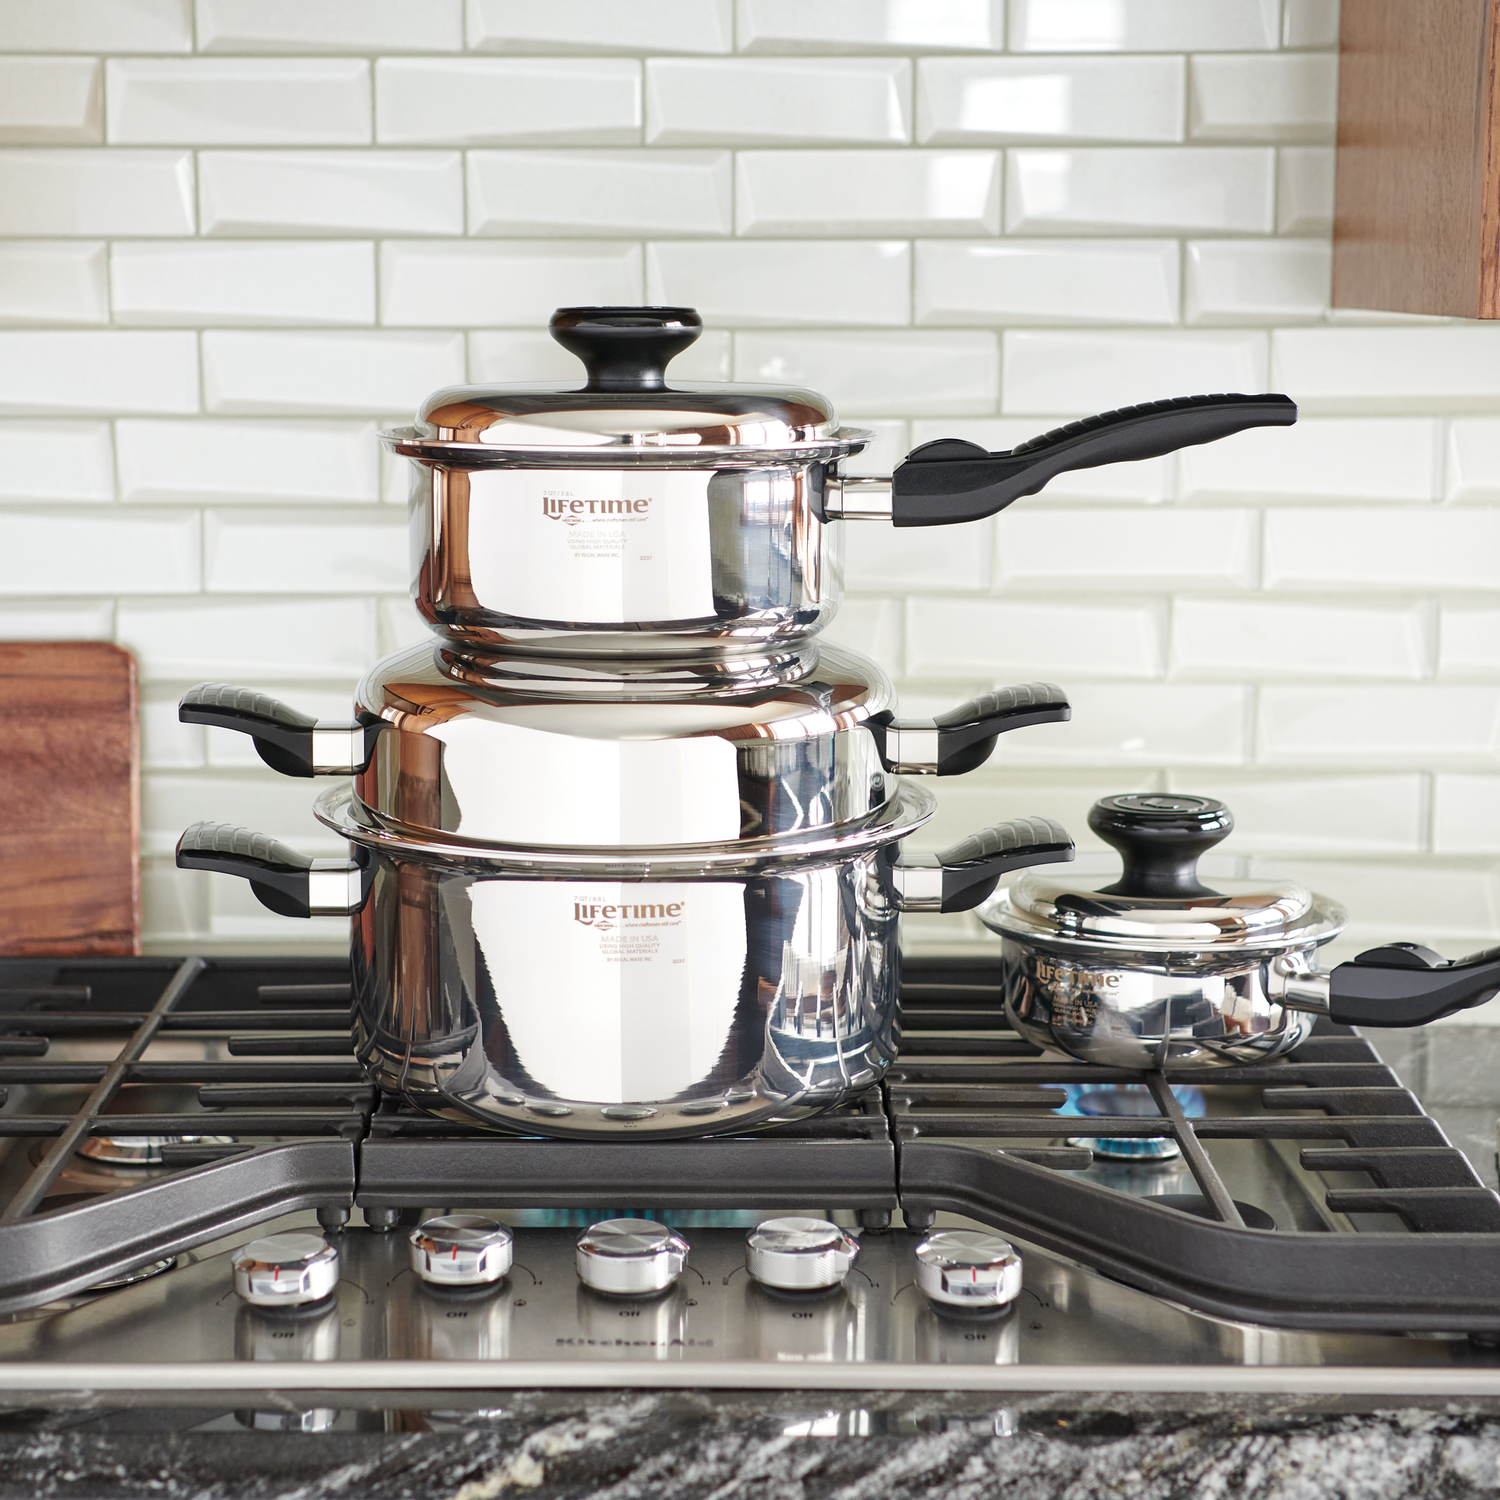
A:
{"x": 1160, "y": 837}
{"x": 625, "y": 348}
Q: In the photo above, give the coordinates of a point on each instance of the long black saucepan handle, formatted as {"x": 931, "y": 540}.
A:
{"x": 951, "y": 480}
{"x": 1404, "y": 984}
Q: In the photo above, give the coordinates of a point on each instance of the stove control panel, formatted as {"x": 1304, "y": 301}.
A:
{"x": 630, "y": 1257}
{"x": 968, "y": 1268}
{"x": 286, "y": 1270}
{"x": 799, "y": 1255}
{"x": 461, "y": 1250}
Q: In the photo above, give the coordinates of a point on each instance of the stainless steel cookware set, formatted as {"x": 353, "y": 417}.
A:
{"x": 626, "y": 835}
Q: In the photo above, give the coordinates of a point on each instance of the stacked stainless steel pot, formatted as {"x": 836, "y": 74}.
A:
{"x": 625, "y": 836}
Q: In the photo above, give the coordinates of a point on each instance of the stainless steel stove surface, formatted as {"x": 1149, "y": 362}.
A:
{"x": 1302, "y": 1225}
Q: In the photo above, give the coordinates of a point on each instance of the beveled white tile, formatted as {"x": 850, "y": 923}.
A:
{"x": 50, "y": 101}
{"x": 1147, "y": 189}
{"x": 871, "y": 26}
{"x": 303, "y": 551}
{"x": 867, "y": 192}
{"x": 1320, "y": 814}
{"x": 1417, "y": 726}
{"x": 213, "y": 462}
{"x": 890, "y": 441}
{"x": 1469, "y": 641}
{"x": 249, "y": 640}
{"x": 1063, "y": 371}
{"x": 1473, "y": 471}
{"x": 333, "y": 373}
{"x": 745, "y": 284}
{"x": 53, "y": 282}
{"x": 1144, "y": 25}
{"x": 56, "y": 461}
{"x": 330, "y": 26}
{"x": 401, "y": 626}
{"x": 496, "y": 101}
{"x": 1401, "y": 370}
{"x": 1321, "y": 458}
{"x": 519, "y": 355}
{"x": 601, "y": 26}
{"x": 1282, "y": 638}
{"x": 1310, "y": 23}
{"x": 877, "y": 557}
{"x": 64, "y": 373}
{"x": 73, "y": 620}
{"x": 255, "y": 282}
{"x": 791, "y": 101}
{"x": 617, "y": 193}
{"x": 964, "y": 101}
{"x": 1257, "y": 281}
{"x": 1047, "y": 281}
{"x": 918, "y": 374}
{"x": 266, "y": 803}
{"x": 99, "y": 552}
{"x": 97, "y": 25}
{"x": 464, "y": 283}
{"x": 96, "y": 192}
{"x": 872, "y": 627}
{"x": 167, "y": 744}
{"x": 1398, "y": 548}
{"x": 332, "y": 192}
{"x": 1264, "y": 98}
{"x": 220, "y": 101}
{"x": 1466, "y": 814}
{"x": 1304, "y": 190}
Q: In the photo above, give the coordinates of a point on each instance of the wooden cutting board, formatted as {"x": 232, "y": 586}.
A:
{"x": 70, "y": 879}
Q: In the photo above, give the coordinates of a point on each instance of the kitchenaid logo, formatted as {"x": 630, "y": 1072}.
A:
{"x": 1051, "y": 972}
{"x": 607, "y": 918}
{"x": 575, "y": 512}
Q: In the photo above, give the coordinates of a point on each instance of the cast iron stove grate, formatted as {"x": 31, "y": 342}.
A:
{"x": 967, "y": 1121}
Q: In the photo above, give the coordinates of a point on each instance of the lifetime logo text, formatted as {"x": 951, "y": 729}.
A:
{"x": 1055, "y": 973}
{"x": 588, "y": 915}
{"x": 572, "y": 512}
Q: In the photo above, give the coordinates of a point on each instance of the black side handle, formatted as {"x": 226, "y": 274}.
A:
{"x": 964, "y": 737}
{"x": 950, "y": 480}
{"x": 972, "y": 867}
{"x": 1404, "y": 984}
{"x": 279, "y": 875}
{"x": 625, "y": 348}
{"x": 284, "y": 736}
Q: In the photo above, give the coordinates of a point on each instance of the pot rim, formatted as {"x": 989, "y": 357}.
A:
{"x": 404, "y": 440}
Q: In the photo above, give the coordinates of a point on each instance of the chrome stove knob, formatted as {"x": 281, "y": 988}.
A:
{"x": 286, "y": 1270}
{"x": 629, "y": 1257}
{"x": 799, "y": 1255}
{"x": 968, "y": 1268}
{"x": 460, "y": 1250}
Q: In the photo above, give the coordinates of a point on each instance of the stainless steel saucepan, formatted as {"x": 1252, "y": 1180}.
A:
{"x": 1159, "y": 968}
{"x": 627, "y": 516}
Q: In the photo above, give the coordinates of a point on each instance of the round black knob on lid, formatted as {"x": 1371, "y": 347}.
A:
{"x": 1160, "y": 837}
{"x": 625, "y": 348}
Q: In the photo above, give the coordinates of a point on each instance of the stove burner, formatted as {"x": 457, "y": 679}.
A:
{"x": 1130, "y": 1099}
{"x": 142, "y": 1150}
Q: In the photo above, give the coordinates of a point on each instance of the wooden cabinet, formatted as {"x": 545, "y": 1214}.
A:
{"x": 1417, "y": 194}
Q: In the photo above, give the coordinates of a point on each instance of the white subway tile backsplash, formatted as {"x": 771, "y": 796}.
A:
{"x": 1048, "y": 281}
{"x": 867, "y": 192}
{"x": 495, "y": 101}
{"x": 1321, "y": 458}
{"x": 250, "y": 640}
{"x": 1346, "y": 725}
{"x": 890, "y": 441}
{"x": 1257, "y": 281}
{"x": 870, "y": 26}
{"x": 1009, "y": 639}
{"x": 303, "y": 551}
{"x": 920, "y": 374}
{"x": 71, "y": 620}
{"x": 50, "y": 101}
{"x": 1043, "y": 545}
{"x": 586, "y": 193}
{"x": 965, "y": 101}
{"x": 56, "y": 461}
{"x": 1432, "y": 368}
{"x": 53, "y": 281}
{"x": 220, "y": 101}
{"x": 331, "y": 192}
{"x": 879, "y": 557}
{"x": 263, "y": 801}
{"x": 332, "y": 373}
{"x": 1473, "y": 469}
{"x": 1397, "y": 548}
{"x": 871, "y": 627}
{"x": 747, "y": 284}
{"x": 96, "y": 192}
{"x": 1146, "y": 189}
{"x": 1144, "y": 25}
{"x": 253, "y": 283}
{"x": 1264, "y": 97}
{"x": 87, "y": 551}
{"x": 601, "y": 26}
{"x": 330, "y": 26}
{"x": 1304, "y": 190}
{"x": 216, "y": 462}
{"x": 473, "y": 283}
{"x": 97, "y": 25}
{"x": 66, "y": 373}
{"x": 1277, "y": 638}
{"x": 791, "y": 101}
{"x": 1310, "y": 23}
{"x": 1318, "y": 814}
{"x": 1466, "y": 814}
{"x": 167, "y": 744}
{"x": 1469, "y": 641}
{"x": 1093, "y": 372}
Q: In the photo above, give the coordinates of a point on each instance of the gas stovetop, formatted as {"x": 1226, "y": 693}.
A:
{"x": 1296, "y": 1225}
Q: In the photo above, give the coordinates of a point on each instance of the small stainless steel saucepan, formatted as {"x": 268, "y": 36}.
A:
{"x": 1159, "y": 968}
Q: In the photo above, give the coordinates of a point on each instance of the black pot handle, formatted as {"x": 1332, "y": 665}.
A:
{"x": 1404, "y": 984}
{"x": 964, "y": 874}
{"x": 625, "y": 348}
{"x": 962, "y": 738}
{"x": 287, "y": 739}
{"x": 950, "y": 480}
{"x": 288, "y": 882}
